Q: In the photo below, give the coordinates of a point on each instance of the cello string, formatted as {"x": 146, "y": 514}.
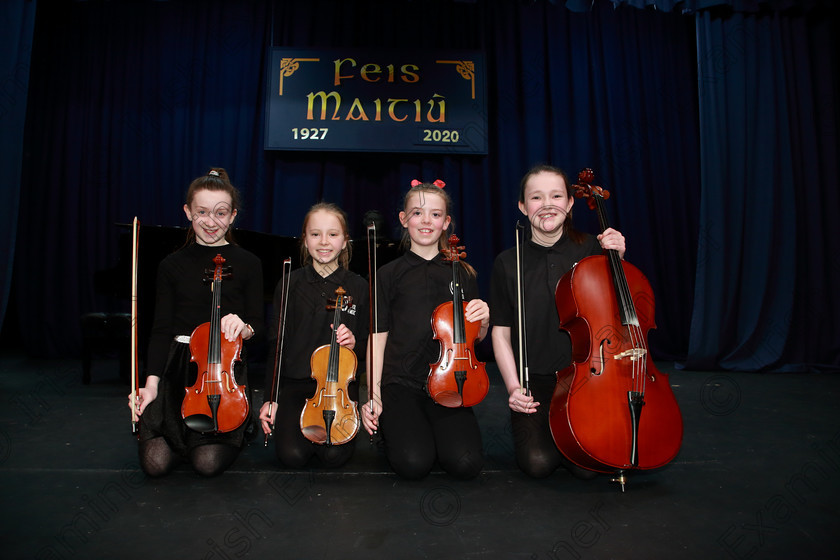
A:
{"x": 628, "y": 310}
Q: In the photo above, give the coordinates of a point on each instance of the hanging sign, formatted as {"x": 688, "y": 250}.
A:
{"x": 379, "y": 101}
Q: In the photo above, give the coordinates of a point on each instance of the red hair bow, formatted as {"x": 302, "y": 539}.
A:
{"x": 438, "y": 183}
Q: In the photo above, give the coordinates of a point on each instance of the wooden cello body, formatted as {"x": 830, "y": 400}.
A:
{"x": 612, "y": 410}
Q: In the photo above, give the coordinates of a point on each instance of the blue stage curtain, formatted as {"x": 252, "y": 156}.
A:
{"x": 692, "y": 6}
{"x": 130, "y": 101}
{"x": 765, "y": 270}
{"x": 612, "y": 90}
{"x": 16, "y": 29}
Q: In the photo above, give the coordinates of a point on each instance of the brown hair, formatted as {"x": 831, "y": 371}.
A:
{"x": 215, "y": 180}
{"x": 568, "y": 225}
{"x": 344, "y": 256}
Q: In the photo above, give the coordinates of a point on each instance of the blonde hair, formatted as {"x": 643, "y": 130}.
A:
{"x": 344, "y": 256}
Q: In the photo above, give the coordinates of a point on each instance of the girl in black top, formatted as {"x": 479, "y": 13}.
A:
{"x": 183, "y": 301}
{"x": 545, "y": 197}
{"x": 325, "y": 253}
{"x": 414, "y": 428}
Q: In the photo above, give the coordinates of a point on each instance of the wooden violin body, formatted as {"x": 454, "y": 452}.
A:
{"x": 330, "y": 417}
{"x": 457, "y": 378}
{"x": 215, "y": 403}
{"x": 612, "y": 410}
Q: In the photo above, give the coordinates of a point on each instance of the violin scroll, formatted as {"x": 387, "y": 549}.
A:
{"x": 455, "y": 252}
{"x": 340, "y": 301}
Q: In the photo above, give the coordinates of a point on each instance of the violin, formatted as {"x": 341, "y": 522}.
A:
{"x": 457, "y": 378}
{"x": 330, "y": 417}
{"x": 215, "y": 403}
{"x": 612, "y": 410}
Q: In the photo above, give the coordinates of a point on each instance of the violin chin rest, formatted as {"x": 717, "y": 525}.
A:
{"x": 315, "y": 434}
{"x": 449, "y": 399}
{"x": 200, "y": 423}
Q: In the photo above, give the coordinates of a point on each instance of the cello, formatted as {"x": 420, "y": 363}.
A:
{"x": 457, "y": 378}
{"x": 215, "y": 403}
{"x": 330, "y": 417}
{"x": 612, "y": 411}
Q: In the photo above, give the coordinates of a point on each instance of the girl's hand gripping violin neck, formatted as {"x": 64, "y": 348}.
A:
{"x": 457, "y": 378}
{"x": 330, "y": 417}
{"x": 215, "y": 404}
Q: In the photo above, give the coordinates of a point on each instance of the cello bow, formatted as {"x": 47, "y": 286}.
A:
{"x": 135, "y": 363}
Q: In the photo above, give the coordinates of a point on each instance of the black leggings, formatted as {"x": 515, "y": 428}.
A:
{"x": 293, "y": 450}
{"x": 416, "y": 431}
{"x": 212, "y": 459}
{"x": 536, "y": 453}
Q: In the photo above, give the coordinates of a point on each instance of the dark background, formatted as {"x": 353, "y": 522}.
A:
{"x": 713, "y": 123}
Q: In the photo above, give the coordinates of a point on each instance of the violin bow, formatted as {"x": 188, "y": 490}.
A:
{"x": 524, "y": 381}
{"x": 372, "y": 305}
{"x": 135, "y": 377}
{"x": 278, "y": 347}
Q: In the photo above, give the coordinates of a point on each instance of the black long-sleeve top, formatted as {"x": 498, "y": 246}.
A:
{"x": 307, "y": 321}
{"x": 184, "y": 300}
{"x": 549, "y": 348}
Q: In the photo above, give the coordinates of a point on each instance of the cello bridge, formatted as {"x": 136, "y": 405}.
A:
{"x": 633, "y": 353}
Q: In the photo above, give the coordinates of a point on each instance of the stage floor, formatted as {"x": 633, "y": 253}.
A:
{"x": 756, "y": 477}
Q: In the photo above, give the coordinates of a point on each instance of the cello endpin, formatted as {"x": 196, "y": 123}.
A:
{"x": 621, "y": 478}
